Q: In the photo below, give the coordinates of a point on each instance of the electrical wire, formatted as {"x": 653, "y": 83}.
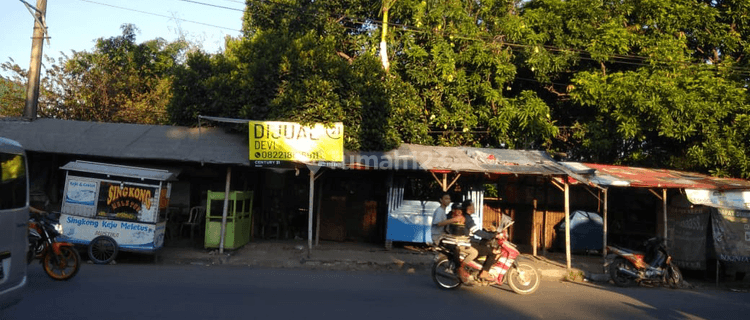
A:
{"x": 242, "y": 2}
{"x": 161, "y": 15}
{"x": 213, "y": 5}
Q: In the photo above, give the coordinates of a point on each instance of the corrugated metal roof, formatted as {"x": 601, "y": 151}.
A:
{"x": 391, "y": 160}
{"x": 622, "y": 176}
{"x": 118, "y": 170}
{"x": 10, "y": 146}
{"x": 458, "y": 159}
{"x": 128, "y": 141}
{"x": 436, "y": 158}
{"x": 531, "y": 162}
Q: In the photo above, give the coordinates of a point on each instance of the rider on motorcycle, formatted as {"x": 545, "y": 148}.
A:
{"x": 457, "y": 235}
{"x": 480, "y": 246}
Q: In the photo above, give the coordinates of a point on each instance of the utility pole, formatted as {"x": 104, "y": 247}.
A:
{"x": 40, "y": 29}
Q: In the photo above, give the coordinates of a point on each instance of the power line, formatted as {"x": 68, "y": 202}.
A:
{"x": 242, "y": 2}
{"x": 161, "y": 15}
{"x": 213, "y": 5}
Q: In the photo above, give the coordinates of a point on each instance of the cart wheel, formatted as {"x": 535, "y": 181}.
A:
{"x": 102, "y": 250}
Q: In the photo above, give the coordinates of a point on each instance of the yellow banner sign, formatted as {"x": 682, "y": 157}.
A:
{"x": 289, "y": 141}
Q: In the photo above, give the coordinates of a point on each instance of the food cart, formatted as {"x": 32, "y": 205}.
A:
{"x": 110, "y": 208}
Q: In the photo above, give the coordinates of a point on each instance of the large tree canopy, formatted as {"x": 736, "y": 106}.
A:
{"x": 317, "y": 61}
{"x": 657, "y": 83}
{"x": 654, "y": 83}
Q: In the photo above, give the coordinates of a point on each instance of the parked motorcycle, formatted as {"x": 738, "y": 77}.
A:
{"x": 60, "y": 260}
{"x": 652, "y": 266}
{"x": 523, "y": 278}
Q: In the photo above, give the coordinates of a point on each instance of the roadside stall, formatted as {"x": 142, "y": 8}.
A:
{"x": 110, "y": 208}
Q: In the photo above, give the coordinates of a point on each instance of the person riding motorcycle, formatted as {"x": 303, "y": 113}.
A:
{"x": 456, "y": 234}
{"x": 481, "y": 246}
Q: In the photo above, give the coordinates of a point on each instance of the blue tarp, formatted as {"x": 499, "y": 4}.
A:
{"x": 586, "y": 231}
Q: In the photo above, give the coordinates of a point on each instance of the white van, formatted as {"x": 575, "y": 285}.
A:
{"x": 14, "y": 217}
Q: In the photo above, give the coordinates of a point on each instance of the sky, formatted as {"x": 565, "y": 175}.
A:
{"x": 76, "y": 24}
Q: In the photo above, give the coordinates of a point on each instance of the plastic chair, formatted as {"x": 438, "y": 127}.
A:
{"x": 194, "y": 220}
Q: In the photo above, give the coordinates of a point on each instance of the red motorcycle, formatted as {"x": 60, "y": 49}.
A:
{"x": 60, "y": 260}
{"x": 652, "y": 266}
{"x": 522, "y": 277}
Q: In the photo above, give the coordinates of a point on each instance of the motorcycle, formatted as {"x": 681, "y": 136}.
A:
{"x": 523, "y": 278}
{"x": 652, "y": 266}
{"x": 60, "y": 260}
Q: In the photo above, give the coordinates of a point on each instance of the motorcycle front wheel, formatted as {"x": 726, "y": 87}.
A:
{"x": 523, "y": 279}
{"x": 64, "y": 266}
{"x": 444, "y": 274}
{"x": 674, "y": 276}
{"x": 620, "y": 279}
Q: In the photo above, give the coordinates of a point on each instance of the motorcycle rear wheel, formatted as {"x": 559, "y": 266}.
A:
{"x": 64, "y": 266}
{"x": 523, "y": 279}
{"x": 674, "y": 276}
{"x": 620, "y": 279}
{"x": 444, "y": 274}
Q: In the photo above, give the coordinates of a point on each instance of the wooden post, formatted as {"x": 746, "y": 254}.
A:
{"x": 567, "y": 224}
{"x": 534, "y": 230}
{"x": 32, "y": 88}
{"x": 225, "y": 211}
{"x": 717, "y": 273}
{"x": 664, "y": 199}
{"x": 604, "y": 243}
{"x": 544, "y": 217}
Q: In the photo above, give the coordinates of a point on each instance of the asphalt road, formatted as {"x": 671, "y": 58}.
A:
{"x": 199, "y": 292}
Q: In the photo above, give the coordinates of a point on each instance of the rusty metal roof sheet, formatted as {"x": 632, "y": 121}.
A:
{"x": 622, "y": 176}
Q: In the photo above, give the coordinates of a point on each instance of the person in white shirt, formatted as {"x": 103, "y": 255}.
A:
{"x": 439, "y": 218}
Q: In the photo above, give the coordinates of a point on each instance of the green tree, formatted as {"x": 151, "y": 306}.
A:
{"x": 51, "y": 90}
{"x": 319, "y": 62}
{"x": 464, "y": 73}
{"x": 639, "y": 82}
{"x": 298, "y": 63}
{"x": 12, "y": 97}
{"x": 121, "y": 80}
